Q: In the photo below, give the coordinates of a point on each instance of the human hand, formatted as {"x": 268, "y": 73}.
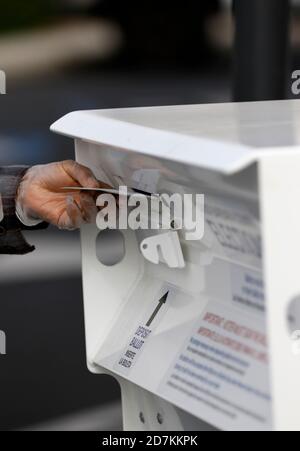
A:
{"x": 40, "y": 195}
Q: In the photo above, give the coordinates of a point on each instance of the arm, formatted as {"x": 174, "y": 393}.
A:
{"x": 11, "y": 238}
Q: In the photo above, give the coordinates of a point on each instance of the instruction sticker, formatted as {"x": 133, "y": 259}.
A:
{"x": 236, "y": 232}
{"x": 134, "y": 348}
{"x": 248, "y": 289}
{"x": 221, "y": 372}
{"x": 142, "y": 334}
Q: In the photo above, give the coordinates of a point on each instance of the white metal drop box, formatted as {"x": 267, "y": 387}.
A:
{"x": 202, "y": 329}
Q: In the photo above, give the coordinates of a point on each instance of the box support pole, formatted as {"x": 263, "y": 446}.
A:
{"x": 261, "y": 49}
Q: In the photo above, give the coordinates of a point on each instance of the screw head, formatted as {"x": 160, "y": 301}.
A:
{"x": 160, "y": 419}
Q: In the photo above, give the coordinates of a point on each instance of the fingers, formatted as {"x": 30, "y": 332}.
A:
{"x": 78, "y": 211}
{"x": 80, "y": 174}
{"x": 72, "y": 217}
{"x": 88, "y": 208}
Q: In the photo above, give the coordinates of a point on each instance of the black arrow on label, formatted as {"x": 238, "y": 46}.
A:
{"x": 161, "y": 302}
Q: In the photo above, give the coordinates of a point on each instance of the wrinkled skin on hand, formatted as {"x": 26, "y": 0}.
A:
{"x": 40, "y": 195}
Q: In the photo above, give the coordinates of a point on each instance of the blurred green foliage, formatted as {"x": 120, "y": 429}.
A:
{"x": 20, "y": 14}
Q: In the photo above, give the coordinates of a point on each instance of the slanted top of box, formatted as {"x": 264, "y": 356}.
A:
{"x": 223, "y": 137}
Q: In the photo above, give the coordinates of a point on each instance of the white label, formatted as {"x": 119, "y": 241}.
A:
{"x": 134, "y": 349}
{"x": 143, "y": 331}
{"x": 236, "y": 232}
{"x": 248, "y": 289}
{"x": 221, "y": 372}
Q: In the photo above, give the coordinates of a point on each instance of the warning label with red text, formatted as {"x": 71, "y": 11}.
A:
{"x": 221, "y": 373}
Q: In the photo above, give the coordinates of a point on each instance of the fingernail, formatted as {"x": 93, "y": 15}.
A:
{"x": 70, "y": 200}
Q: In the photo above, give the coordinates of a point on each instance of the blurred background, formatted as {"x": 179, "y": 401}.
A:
{"x": 64, "y": 55}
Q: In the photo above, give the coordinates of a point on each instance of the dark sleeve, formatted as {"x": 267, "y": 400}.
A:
{"x": 12, "y": 240}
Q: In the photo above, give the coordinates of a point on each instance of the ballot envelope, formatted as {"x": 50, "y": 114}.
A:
{"x": 208, "y": 325}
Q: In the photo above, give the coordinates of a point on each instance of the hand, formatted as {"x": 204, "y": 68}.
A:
{"x": 40, "y": 195}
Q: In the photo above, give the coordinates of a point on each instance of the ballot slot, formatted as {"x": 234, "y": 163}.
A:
{"x": 205, "y": 348}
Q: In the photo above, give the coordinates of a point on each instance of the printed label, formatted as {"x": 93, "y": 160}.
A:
{"x": 236, "y": 232}
{"x": 221, "y": 372}
{"x": 138, "y": 340}
{"x": 134, "y": 348}
{"x": 248, "y": 289}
